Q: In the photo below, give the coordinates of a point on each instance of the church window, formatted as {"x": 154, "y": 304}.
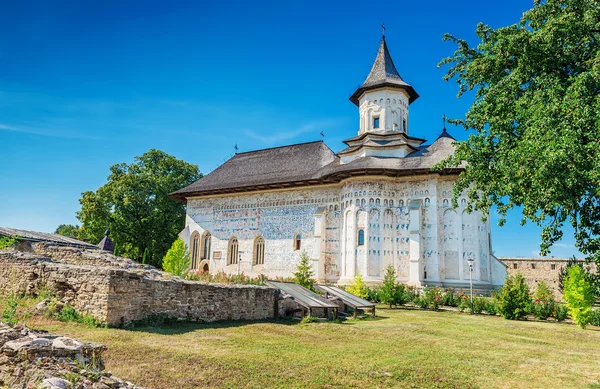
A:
{"x": 194, "y": 249}
{"x": 361, "y": 237}
{"x": 404, "y": 125}
{"x": 205, "y": 245}
{"x": 259, "y": 251}
{"x": 376, "y": 122}
{"x": 515, "y": 266}
{"x": 232, "y": 251}
{"x": 533, "y": 266}
{"x": 553, "y": 267}
{"x": 297, "y": 242}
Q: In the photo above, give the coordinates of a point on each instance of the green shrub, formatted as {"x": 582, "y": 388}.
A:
{"x": 8, "y": 241}
{"x": 433, "y": 296}
{"x": 410, "y": 294}
{"x": 374, "y": 294}
{"x": 421, "y": 301}
{"x": 177, "y": 259}
{"x": 578, "y": 294}
{"x": 358, "y": 287}
{"x": 403, "y": 295}
{"x": 464, "y": 302}
{"x": 595, "y": 317}
{"x": 449, "y": 298}
{"x": 544, "y": 305}
{"x": 146, "y": 257}
{"x": 514, "y": 298}
{"x": 491, "y": 306}
{"x": 308, "y": 319}
{"x": 479, "y": 304}
{"x": 304, "y": 275}
{"x": 224, "y": 278}
{"x": 68, "y": 314}
{"x": 388, "y": 292}
{"x": 560, "y": 312}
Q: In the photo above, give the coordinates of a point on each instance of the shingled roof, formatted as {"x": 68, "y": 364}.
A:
{"x": 33, "y": 236}
{"x": 384, "y": 73}
{"x": 308, "y": 164}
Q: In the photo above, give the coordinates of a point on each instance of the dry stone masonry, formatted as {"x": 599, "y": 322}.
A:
{"x": 119, "y": 291}
{"x": 32, "y": 359}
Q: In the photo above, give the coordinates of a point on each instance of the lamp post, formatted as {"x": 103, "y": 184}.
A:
{"x": 471, "y": 261}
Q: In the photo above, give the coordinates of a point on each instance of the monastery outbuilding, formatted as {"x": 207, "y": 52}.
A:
{"x": 375, "y": 203}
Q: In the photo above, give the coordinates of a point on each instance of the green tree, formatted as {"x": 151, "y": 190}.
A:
{"x": 358, "y": 287}
{"x": 514, "y": 298}
{"x": 134, "y": 204}
{"x": 388, "y": 293}
{"x": 579, "y": 296}
{"x": 177, "y": 259}
{"x": 304, "y": 275}
{"x": 535, "y": 120}
{"x": 117, "y": 250}
{"x": 69, "y": 230}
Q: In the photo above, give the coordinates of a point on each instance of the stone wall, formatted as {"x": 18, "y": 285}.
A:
{"x": 118, "y": 291}
{"x": 535, "y": 270}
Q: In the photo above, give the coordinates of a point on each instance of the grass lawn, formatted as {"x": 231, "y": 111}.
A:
{"x": 401, "y": 348}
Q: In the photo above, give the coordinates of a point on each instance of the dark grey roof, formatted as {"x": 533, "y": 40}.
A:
{"x": 279, "y": 165}
{"x": 445, "y": 134}
{"x": 384, "y": 73}
{"x": 34, "y": 236}
{"x": 301, "y": 295}
{"x": 106, "y": 244}
{"x": 308, "y": 164}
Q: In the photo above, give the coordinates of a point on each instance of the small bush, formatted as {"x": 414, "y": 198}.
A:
{"x": 8, "y": 241}
{"x": 308, "y": 319}
{"x": 358, "y": 287}
{"x": 465, "y": 303}
{"x": 560, "y": 312}
{"x": 491, "y": 306}
{"x": 67, "y": 313}
{"x": 449, "y": 298}
{"x": 421, "y": 301}
{"x": 304, "y": 275}
{"x": 479, "y": 304}
{"x": 578, "y": 294}
{"x": 433, "y": 296}
{"x": 410, "y": 294}
{"x": 177, "y": 259}
{"x": 374, "y": 294}
{"x": 388, "y": 292}
{"x": 595, "y": 317}
{"x": 514, "y": 298}
{"x": 403, "y": 295}
{"x": 224, "y": 278}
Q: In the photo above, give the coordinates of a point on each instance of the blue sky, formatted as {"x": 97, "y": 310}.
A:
{"x": 84, "y": 85}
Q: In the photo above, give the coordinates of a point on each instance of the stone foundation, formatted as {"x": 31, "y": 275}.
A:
{"x": 118, "y": 291}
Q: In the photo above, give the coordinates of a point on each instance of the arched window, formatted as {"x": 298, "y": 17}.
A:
{"x": 259, "y": 251}
{"x": 205, "y": 246}
{"x": 297, "y": 241}
{"x": 361, "y": 237}
{"x": 194, "y": 250}
{"x": 232, "y": 251}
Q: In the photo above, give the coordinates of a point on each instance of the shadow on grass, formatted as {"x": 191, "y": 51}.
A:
{"x": 178, "y": 327}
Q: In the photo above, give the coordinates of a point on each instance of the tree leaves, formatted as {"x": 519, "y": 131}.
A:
{"x": 134, "y": 204}
{"x": 536, "y": 120}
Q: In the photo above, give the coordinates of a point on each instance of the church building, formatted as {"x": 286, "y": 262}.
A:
{"x": 376, "y": 203}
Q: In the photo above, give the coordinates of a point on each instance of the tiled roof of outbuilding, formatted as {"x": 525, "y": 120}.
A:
{"x": 34, "y": 236}
{"x": 307, "y": 164}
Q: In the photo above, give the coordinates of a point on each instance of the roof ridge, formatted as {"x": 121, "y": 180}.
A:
{"x": 280, "y": 147}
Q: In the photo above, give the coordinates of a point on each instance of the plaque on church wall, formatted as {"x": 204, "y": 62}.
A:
{"x": 217, "y": 254}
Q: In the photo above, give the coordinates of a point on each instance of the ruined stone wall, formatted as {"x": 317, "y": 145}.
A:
{"x": 535, "y": 270}
{"x": 118, "y": 295}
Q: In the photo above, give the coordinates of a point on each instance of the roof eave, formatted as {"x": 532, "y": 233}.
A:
{"x": 412, "y": 93}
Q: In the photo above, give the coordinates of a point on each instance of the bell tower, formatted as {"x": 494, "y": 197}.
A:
{"x": 383, "y": 99}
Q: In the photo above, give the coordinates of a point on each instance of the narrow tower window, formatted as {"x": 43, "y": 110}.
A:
{"x": 361, "y": 237}
{"x": 205, "y": 251}
{"x": 404, "y": 125}
{"x": 376, "y": 122}
{"x": 297, "y": 242}
{"x": 194, "y": 243}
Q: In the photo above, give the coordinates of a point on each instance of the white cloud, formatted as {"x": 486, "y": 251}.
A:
{"x": 284, "y": 135}
{"x": 50, "y": 133}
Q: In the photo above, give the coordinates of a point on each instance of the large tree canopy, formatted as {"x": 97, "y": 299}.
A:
{"x": 134, "y": 205}
{"x": 535, "y": 120}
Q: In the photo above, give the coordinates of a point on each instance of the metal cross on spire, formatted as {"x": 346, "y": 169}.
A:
{"x": 236, "y": 148}
{"x": 383, "y": 30}
{"x": 444, "y": 119}
{"x": 322, "y": 135}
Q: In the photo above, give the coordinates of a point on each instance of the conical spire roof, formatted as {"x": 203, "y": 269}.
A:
{"x": 384, "y": 73}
